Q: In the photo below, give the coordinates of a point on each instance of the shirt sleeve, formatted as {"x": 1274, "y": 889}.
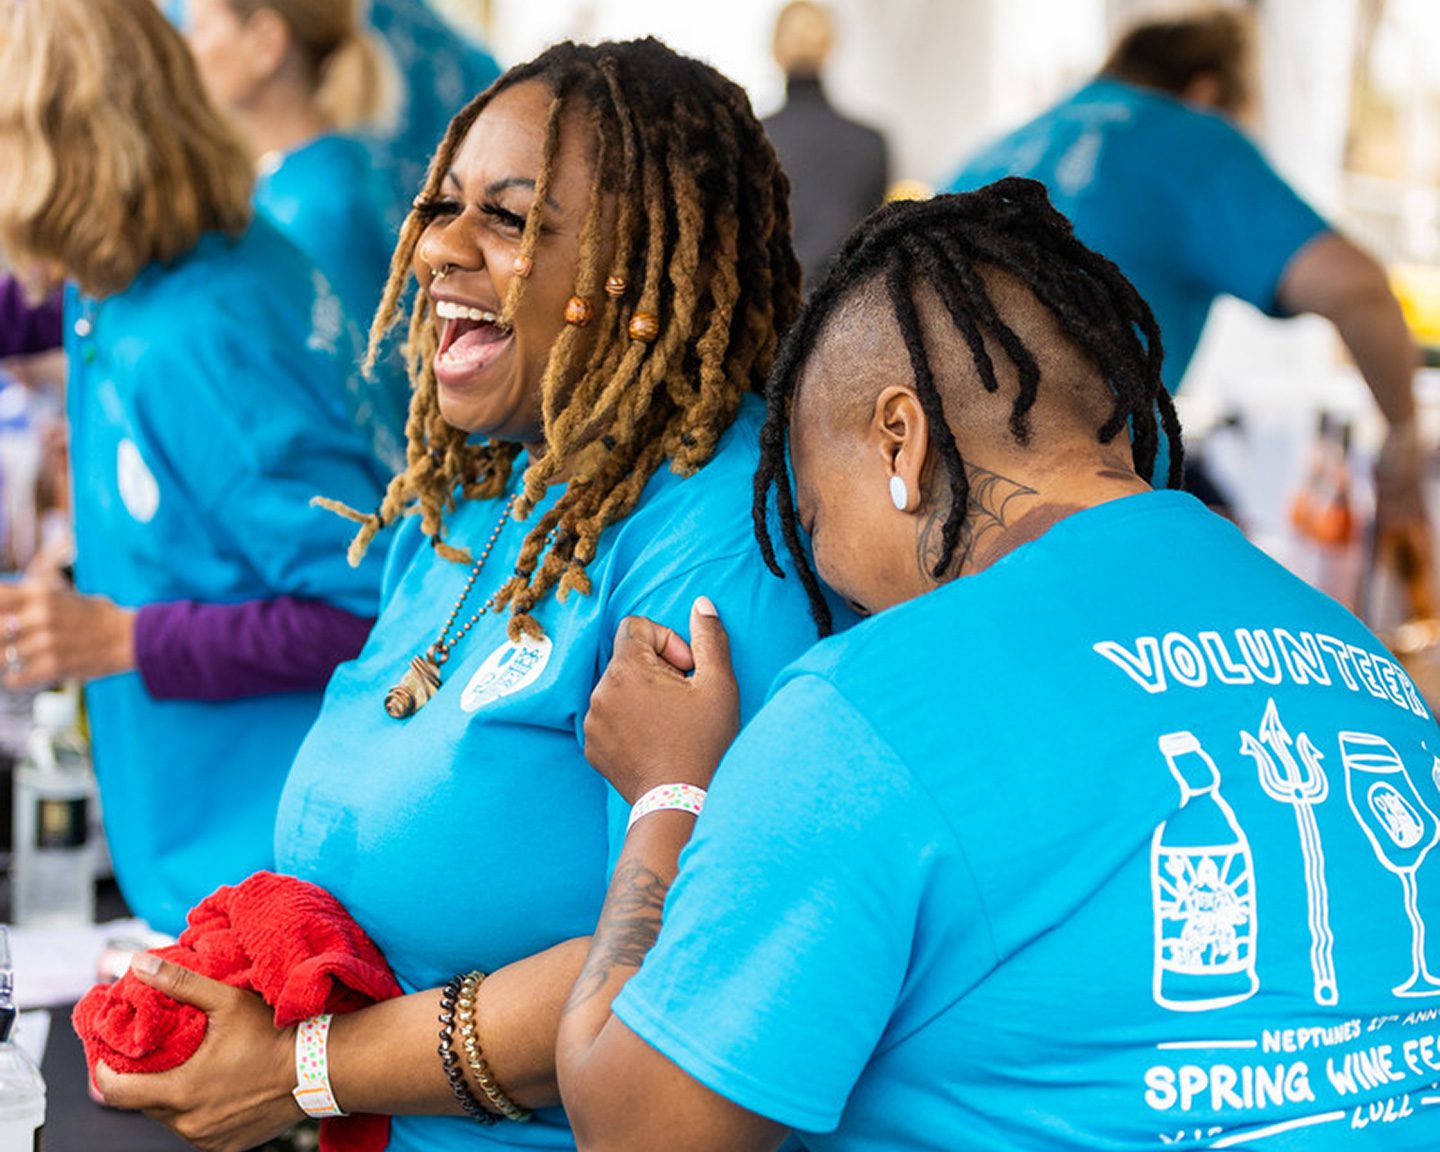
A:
{"x": 26, "y": 328}
{"x": 788, "y": 932}
{"x": 186, "y": 650}
{"x": 767, "y": 619}
{"x": 1247, "y": 222}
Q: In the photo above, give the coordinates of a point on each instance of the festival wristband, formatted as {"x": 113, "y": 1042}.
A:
{"x": 312, "y": 1069}
{"x": 668, "y": 798}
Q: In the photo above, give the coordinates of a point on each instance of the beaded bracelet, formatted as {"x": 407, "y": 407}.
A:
{"x": 470, "y": 1040}
{"x": 453, "y": 1072}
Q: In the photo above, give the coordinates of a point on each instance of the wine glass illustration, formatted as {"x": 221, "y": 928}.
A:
{"x": 1400, "y": 828}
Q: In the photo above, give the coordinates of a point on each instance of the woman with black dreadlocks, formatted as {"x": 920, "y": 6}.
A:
{"x": 603, "y": 263}
{"x": 1007, "y": 849}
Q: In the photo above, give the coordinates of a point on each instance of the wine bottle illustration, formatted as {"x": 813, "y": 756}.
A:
{"x": 1203, "y": 888}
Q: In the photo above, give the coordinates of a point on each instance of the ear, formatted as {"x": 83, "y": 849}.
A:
{"x": 901, "y": 432}
{"x": 1203, "y": 91}
{"x": 268, "y": 42}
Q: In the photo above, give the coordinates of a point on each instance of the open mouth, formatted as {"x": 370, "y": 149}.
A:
{"x": 470, "y": 338}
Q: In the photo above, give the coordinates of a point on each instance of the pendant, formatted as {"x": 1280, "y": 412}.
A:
{"x": 420, "y": 682}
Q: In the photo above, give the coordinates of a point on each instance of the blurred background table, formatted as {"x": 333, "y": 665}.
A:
{"x": 52, "y": 970}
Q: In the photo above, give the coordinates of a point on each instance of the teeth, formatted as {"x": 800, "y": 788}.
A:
{"x": 449, "y": 310}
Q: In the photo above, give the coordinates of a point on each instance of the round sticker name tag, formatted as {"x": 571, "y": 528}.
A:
{"x": 138, "y": 489}
{"x": 506, "y": 671}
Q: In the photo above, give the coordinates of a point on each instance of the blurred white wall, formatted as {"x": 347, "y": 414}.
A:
{"x": 937, "y": 76}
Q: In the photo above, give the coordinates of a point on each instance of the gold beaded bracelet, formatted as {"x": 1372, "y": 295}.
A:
{"x": 474, "y": 1059}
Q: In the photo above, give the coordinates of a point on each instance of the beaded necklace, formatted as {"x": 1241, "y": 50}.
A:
{"x": 422, "y": 679}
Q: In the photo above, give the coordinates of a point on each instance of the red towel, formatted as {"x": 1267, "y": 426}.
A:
{"x": 286, "y": 939}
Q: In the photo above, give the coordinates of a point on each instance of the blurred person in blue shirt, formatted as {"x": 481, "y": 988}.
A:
{"x": 303, "y": 79}
{"x": 441, "y": 71}
{"x": 1150, "y": 166}
{"x": 212, "y": 394}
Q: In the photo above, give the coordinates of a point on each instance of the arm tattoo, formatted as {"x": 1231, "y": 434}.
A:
{"x": 629, "y": 924}
{"x": 987, "y": 513}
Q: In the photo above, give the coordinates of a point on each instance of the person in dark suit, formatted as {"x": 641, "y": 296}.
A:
{"x": 838, "y": 167}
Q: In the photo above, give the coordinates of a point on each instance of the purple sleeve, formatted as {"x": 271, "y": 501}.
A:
{"x": 26, "y": 327}
{"x": 192, "y": 651}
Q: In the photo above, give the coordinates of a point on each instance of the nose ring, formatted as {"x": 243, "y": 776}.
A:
{"x": 438, "y": 274}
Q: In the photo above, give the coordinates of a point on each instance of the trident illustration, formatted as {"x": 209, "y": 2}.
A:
{"x": 1302, "y": 786}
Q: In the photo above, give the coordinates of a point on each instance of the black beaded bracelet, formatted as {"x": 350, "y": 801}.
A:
{"x": 454, "y": 1072}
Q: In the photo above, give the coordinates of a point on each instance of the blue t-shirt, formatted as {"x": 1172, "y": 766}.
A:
{"x": 442, "y": 72}
{"x": 474, "y": 833}
{"x": 1178, "y": 197}
{"x": 208, "y": 402}
{"x": 1113, "y": 845}
{"x": 326, "y": 198}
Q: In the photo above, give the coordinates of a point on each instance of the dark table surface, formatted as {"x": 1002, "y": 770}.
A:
{"x": 74, "y": 1122}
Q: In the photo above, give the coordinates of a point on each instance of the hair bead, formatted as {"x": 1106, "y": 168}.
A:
{"x": 578, "y": 311}
{"x": 644, "y": 326}
{"x": 651, "y": 140}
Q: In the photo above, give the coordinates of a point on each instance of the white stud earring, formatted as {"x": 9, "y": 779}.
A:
{"x": 899, "y": 494}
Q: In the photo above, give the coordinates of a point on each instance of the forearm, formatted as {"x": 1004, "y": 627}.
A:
{"x": 608, "y": 1108}
{"x": 1340, "y": 281}
{"x": 383, "y": 1059}
{"x": 186, "y": 650}
{"x": 1375, "y": 332}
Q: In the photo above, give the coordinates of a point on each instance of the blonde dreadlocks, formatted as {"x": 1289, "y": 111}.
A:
{"x": 698, "y": 187}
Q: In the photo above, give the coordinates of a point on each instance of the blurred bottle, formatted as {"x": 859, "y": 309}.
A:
{"x": 1334, "y": 521}
{"x": 53, "y": 863}
{"x": 21, "y": 455}
{"x": 1322, "y": 509}
{"x": 22, "y": 1088}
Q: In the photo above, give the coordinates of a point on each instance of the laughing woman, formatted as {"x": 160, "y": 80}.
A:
{"x": 602, "y": 263}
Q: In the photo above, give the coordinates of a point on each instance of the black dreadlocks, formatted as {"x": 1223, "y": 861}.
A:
{"x": 947, "y": 242}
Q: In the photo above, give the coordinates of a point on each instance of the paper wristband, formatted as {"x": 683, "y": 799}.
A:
{"x": 668, "y": 798}
{"x": 312, "y": 1069}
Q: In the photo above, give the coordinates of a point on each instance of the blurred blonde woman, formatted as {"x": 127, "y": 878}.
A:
{"x": 210, "y": 397}
{"x": 301, "y": 78}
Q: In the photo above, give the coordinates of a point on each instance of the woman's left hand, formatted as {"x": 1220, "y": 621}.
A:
{"x": 234, "y": 1092}
{"x": 49, "y": 632}
{"x": 649, "y": 723}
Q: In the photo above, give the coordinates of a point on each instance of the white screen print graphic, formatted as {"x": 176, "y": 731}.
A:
{"x": 1203, "y": 888}
{"x": 1302, "y": 784}
{"x": 1400, "y": 828}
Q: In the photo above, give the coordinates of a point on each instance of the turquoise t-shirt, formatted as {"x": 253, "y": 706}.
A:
{"x": 442, "y": 71}
{"x": 326, "y": 198}
{"x": 208, "y": 402}
{"x": 474, "y": 833}
{"x": 1178, "y": 197}
{"x": 329, "y": 201}
{"x": 1128, "y": 841}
